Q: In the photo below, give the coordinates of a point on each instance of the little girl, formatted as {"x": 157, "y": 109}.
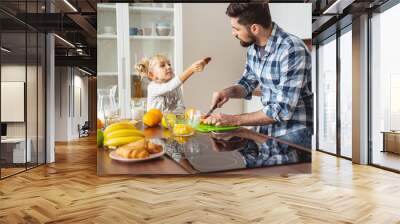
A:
{"x": 163, "y": 92}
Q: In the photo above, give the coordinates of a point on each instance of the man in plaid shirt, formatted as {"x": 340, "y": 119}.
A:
{"x": 280, "y": 64}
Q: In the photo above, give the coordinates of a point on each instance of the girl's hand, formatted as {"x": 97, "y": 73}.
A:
{"x": 199, "y": 65}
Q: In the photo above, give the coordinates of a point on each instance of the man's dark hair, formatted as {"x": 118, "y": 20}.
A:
{"x": 250, "y": 13}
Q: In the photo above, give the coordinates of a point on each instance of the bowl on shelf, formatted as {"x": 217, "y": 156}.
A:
{"x": 133, "y": 31}
{"x": 147, "y": 31}
{"x": 163, "y": 29}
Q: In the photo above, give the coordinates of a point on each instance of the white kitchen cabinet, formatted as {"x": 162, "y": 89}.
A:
{"x": 126, "y": 34}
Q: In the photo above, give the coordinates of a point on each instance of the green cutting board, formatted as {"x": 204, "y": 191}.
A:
{"x": 208, "y": 128}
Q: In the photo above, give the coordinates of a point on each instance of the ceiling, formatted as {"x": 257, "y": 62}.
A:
{"x": 76, "y": 24}
{"x": 327, "y": 13}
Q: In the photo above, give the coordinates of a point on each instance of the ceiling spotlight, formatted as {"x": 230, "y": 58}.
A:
{"x": 64, "y": 40}
{"x": 5, "y": 50}
{"x": 338, "y": 6}
{"x": 84, "y": 71}
{"x": 70, "y": 5}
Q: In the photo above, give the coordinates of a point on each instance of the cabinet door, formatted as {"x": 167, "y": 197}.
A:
{"x": 107, "y": 54}
{"x": 153, "y": 28}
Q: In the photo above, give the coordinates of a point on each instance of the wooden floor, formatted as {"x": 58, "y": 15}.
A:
{"x": 70, "y": 192}
{"x": 10, "y": 171}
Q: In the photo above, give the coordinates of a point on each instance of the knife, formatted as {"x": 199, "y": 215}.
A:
{"x": 210, "y": 111}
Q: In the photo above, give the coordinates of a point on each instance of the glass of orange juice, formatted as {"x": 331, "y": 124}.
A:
{"x": 182, "y": 126}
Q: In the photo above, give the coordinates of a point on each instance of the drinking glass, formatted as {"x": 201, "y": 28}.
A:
{"x": 107, "y": 108}
{"x": 137, "y": 109}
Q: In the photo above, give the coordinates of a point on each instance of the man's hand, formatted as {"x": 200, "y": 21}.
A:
{"x": 219, "y": 99}
{"x": 222, "y": 120}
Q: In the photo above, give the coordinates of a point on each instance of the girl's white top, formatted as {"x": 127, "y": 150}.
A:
{"x": 165, "y": 96}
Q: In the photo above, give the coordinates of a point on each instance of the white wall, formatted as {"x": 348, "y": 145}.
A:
{"x": 33, "y": 127}
{"x": 67, "y": 84}
{"x": 12, "y": 73}
{"x": 207, "y": 32}
{"x": 293, "y": 17}
{"x": 61, "y": 103}
{"x": 80, "y": 83}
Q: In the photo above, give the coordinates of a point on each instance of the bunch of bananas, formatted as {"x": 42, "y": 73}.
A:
{"x": 121, "y": 133}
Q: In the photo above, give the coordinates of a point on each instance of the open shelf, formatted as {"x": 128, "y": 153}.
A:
{"x": 106, "y": 7}
{"x": 150, "y": 10}
{"x": 107, "y": 73}
{"x": 151, "y": 37}
{"x": 107, "y": 36}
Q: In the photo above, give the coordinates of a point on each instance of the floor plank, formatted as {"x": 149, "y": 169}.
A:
{"x": 69, "y": 191}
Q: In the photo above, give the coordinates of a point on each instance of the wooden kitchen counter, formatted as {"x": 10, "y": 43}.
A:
{"x": 206, "y": 154}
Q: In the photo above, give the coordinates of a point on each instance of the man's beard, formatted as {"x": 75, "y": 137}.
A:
{"x": 246, "y": 44}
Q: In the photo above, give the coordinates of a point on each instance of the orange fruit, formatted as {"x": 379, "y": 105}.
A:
{"x": 156, "y": 112}
{"x": 100, "y": 124}
{"x": 152, "y": 118}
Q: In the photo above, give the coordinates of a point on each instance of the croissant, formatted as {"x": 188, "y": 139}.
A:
{"x": 138, "y": 150}
{"x": 138, "y": 154}
{"x": 153, "y": 148}
{"x": 130, "y": 153}
{"x": 141, "y": 144}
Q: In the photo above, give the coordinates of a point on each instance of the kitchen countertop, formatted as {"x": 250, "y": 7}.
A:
{"x": 242, "y": 151}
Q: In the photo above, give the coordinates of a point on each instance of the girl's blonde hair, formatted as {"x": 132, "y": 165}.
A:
{"x": 145, "y": 65}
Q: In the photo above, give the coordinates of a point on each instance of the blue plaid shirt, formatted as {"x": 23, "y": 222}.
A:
{"x": 269, "y": 153}
{"x": 284, "y": 77}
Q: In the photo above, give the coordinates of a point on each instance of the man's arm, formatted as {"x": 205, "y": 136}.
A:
{"x": 254, "y": 119}
{"x": 248, "y": 119}
{"x": 295, "y": 66}
{"x": 235, "y": 91}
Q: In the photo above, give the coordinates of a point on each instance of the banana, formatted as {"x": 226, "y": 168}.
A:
{"x": 123, "y": 133}
{"x": 114, "y": 142}
{"x": 117, "y": 126}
